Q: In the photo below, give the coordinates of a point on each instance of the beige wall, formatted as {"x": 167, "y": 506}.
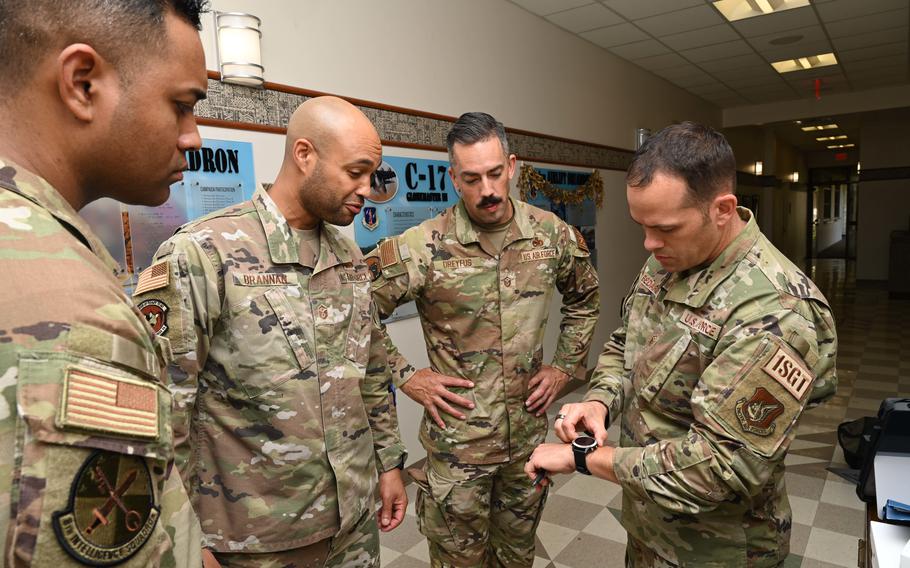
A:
{"x": 451, "y": 57}
{"x": 883, "y": 206}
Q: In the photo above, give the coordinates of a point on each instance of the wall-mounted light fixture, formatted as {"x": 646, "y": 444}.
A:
{"x": 858, "y": 167}
{"x": 641, "y": 134}
{"x": 237, "y": 39}
{"x": 794, "y": 177}
{"x": 758, "y": 168}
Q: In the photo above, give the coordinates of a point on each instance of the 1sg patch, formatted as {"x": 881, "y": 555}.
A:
{"x": 111, "y": 512}
{"x": 155, "y": 312}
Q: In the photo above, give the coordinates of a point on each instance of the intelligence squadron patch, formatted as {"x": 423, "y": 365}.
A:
{"x": 757, "y": 414}
{"x": 111, "y": 511}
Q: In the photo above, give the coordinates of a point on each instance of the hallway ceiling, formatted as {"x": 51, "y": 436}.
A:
{"x": 689, "y": 43}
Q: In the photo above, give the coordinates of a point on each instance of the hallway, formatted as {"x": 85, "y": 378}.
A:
{"x": 580, "y": 527}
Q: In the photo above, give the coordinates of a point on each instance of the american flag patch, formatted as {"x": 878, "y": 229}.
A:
{"x": 388, "y": 253}
{"x": 107, "y": 404}
{"x": 154, "y": 277}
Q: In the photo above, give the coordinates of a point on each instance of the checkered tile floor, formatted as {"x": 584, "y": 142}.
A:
{"x": 580, "y": 526}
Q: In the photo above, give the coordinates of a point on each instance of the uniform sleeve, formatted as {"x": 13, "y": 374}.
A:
{"x": 577, "y": 281}
{"x": 610, "y": 379}
{"x": 376, "y": 391}
{"x": 189, "y": 304}
{"x": 746, "y": 407}
{"x": 398, "y": 277}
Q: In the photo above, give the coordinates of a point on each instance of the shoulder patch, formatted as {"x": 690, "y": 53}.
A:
{"x": 104, "y": 403}
{"x": 789, "y": 372}
{"x": 388, "y": 253}
{"x": 757, "y": 414}
{"x": 580, "y": 239}
{"x": 155, "y": 312}
{"x": 374, "y": 264}
{"x": 154, "y": 277}
{"x": 111, "y": 512}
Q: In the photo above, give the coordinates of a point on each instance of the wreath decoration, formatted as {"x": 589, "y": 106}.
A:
{"x": 530, "y": 183}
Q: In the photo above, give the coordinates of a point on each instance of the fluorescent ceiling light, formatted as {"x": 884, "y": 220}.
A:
{"x": 804, "y": 63}
{"x": 819, "y": 127}
{"x": 836, "y": 146}
{"x": 735, "y": 10}
{"x": 827, "y": 138}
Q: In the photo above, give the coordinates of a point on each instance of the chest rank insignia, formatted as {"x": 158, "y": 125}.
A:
{"x": 322, "y": 312}
{"x": 111, "y": 511}
{"x": 758, "y": 413}
{"x": 537, "y": 242}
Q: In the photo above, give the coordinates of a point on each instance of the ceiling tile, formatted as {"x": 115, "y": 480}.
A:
{"x": 796, "y": 36}
{"x": 887, "y": 61}
{"x": 870, "y": 23}
{"x": 733, "y": 63}
{"x": 701, "y": 37}
{"x": 796, "y": 76}
{"x": 682, "y": 71}
{"x": 870, "y": 38}
{"x": 883, "y": 82}
{"x": 892, "y": 72}
{"x": 694, "y": 80}
{"x": 796, "y": 50}
{"x": 740, "y": 81}
{"x": 873, "y": 52}
{"x": 547, "y": 7}
{"x": 717, "y": 51}
{"x": 757, "y": 97}
{"x": 777, "y": 22}
{"x": 680, "y": 21}
{"x": 846, "y": 9}
{"x": 585, "y": 18}
{"x": 636, "y": 9}
{"x": 712, "y": 89}
{"x": 640, "y": 49}
{"x": 665, "y": 61}
{"x": 615, "y": 35}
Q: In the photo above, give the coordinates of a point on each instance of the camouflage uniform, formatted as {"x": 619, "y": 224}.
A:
{"x": 710, "y": 371}
{"x": 281, "y": 383}
{"x": 84, "y": 415}
{"x": 483, "y": 315}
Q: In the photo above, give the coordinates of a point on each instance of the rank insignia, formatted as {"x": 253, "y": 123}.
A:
{"x": 375, "y": 267}
{"x": 758, "y": 413}
{"x": 155, "y": 312}
{"x": 323, "y": 312}
{"x": 111, "y": 512}
{"x": 370, "y": 219}
{"x": 537, "y": 242}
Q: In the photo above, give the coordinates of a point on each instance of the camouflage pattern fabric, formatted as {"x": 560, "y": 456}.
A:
{"x": 280, "y": 378}
{"x": 478, "y": 515}
{"x": 358, "y": 548}
{"x": 484, "y": 315}
{"x": 85, "y": 414}
{"x": 710, "y": 371}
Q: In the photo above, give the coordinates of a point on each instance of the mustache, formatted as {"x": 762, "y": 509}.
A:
{"x": 489, "y": 200}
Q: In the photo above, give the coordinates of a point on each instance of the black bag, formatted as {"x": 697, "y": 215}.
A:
{"x": 854, "y": 437}
{"x": 889, "y": 433}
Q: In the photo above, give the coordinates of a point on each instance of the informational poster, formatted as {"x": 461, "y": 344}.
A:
{"x": 219, "y": 174}
{"x": 582, "y": 215}
{"x": 407, "y": 192}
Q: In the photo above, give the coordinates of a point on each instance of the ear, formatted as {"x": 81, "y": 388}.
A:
{"x": 304, "y": 154}
{"x": 454, "y": 179}
{"x": 511, "y": 165}
{"x": 725, "y": 205}
{"x": 82, "y": 76}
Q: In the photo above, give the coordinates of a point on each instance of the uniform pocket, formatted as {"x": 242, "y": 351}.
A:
{"x": 267, "y": 342}
{"x": 357, "y": 344}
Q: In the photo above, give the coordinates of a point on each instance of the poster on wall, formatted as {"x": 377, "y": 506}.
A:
{"x": 582, "y": 215}
{"x": 219, "y": 174}
{"x": 406, "y": 192}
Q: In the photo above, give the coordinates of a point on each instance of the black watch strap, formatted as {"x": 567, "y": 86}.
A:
{"x": 581, "y": 447}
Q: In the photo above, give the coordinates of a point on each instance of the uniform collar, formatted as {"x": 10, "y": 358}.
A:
{"x": 520, "y": 228}
{"x": 693, "y": 287}
{"x": 284, "y": 245}
{"x": 37, "y": 190}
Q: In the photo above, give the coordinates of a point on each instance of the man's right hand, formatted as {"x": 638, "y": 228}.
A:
{"x": 430, "y": 389}
{"x": 579, "y": 417}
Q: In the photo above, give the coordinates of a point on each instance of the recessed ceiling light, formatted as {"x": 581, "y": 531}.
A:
{"x": 819, "y": 127}
{"x": 735, "y": 10}
{"x": 804, "y": 63}
{"x": 827, "y": 138}
{"x": 786, "y": 40}
{"x": 837, "y": 146}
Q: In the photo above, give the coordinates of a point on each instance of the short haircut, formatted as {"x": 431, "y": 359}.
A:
{"x": 697, "y": 154}
{"x": 116, "y": 29}
{"x": 474, "y": 127}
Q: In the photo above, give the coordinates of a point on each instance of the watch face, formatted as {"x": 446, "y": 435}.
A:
{"x": 584, "y": 442}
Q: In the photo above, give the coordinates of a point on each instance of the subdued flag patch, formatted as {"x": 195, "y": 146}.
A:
{"x": 388, "y": 253}
{"x": 107, "y": 404}
{"x": 154, "y": 277}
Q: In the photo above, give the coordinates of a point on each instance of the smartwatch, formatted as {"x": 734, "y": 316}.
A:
{"x": 581, "y": 447}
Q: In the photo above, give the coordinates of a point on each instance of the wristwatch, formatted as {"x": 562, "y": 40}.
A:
{"x": 581, "y": 447}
